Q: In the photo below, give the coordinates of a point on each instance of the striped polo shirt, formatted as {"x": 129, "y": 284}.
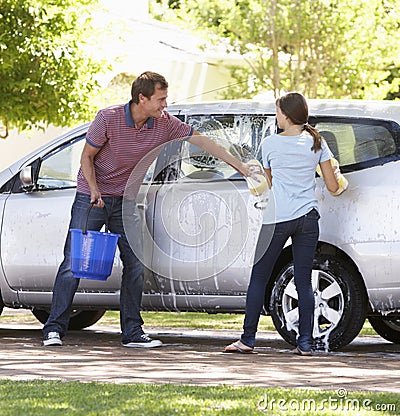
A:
{"x": 122, "y": 146}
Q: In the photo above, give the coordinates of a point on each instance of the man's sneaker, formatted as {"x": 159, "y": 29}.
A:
{"x": 52, "y": 339}
{"x": 144, "y": 341}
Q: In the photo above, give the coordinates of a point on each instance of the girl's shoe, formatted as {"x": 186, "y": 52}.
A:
{"x": 239, "y": 347}
{"x": 298, "y": 351}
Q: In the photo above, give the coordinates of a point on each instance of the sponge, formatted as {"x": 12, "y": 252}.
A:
{"x": 257, "y": 182}
{"x": 342, "y": 181}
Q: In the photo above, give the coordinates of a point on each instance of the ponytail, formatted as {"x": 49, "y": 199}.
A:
{"x": 315, "y": 135}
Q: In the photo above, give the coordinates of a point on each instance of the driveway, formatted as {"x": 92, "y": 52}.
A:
{"x": 196, "y": 357}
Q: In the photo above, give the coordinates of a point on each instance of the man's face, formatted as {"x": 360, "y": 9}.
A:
{"x": 156, "y": 104}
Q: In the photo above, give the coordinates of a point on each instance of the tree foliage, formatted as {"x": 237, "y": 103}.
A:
{"x": 324, "y": 48}
{"x": 46, "y": 75}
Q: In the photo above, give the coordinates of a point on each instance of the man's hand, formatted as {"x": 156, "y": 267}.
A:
{"x": 87, "y": 164}
{"x": 248, "y": 169}
{"x": 95, "y": 199}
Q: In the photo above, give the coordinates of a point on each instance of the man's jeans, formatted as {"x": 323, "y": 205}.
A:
{"x": 304, "y": 232}
{"x": 66, "y": 285}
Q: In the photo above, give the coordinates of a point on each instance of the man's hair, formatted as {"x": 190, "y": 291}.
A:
{"x": 146, "y": 84}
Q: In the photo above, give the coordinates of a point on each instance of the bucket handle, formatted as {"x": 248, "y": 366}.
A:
{"x": 84, "y": 231}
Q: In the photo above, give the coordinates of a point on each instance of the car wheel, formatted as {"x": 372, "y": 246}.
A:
{"x": 340, "y": 303}
{"x": 388, "y": 328}
{"x": 79, "y": 319}
{"x": 1, "y": 304}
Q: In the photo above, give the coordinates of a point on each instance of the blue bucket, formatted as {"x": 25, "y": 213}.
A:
{"x": 92, "y": 253}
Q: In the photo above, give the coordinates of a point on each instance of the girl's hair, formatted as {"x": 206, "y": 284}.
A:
{"x": 294, "y": 106}
{"x": 146, "y": 84}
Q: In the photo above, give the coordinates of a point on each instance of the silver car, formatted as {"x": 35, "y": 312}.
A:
{"x": 200, "y": 224}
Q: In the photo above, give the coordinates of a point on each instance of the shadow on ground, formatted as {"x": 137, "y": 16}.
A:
{"x": 196, "y": 357}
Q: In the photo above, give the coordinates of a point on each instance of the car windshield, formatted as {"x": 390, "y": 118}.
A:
{"x": 240, "y": 134}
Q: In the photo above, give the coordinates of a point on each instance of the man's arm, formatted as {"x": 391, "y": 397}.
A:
{"x": 87, "y": 164}
{"x": 219, "y": 151}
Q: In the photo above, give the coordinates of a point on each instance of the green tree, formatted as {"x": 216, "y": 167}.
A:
{"x": 324, "y": 48}
{"x": 393, "y": 80}
{"x": 46, "y": 74}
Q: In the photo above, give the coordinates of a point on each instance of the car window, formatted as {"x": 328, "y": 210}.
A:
{"x": 356, "y": 141}
{"x": 240, "y": 134}
{"x": 59, "y": 168}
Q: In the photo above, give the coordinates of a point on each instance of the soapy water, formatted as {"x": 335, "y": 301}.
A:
{"x": 208, "y": 224}
{"x": 244, "y": 142}
{"x": 204, "y": 226}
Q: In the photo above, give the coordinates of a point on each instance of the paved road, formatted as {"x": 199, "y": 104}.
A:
{"x": 195, "y": 357}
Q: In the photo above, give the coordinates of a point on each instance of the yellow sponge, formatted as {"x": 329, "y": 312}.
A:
{"x": 257, "y": 182}
{"x": 342, "y": 181}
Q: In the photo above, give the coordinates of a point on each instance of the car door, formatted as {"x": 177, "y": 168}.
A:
{"x": 35, "y": 223}
{"x": 205, "y": 223}
{"x": 363, "y": 221}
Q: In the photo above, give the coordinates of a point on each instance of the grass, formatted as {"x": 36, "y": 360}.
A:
{"x": 201, "y": 320}
{"x": 51, "y": 398}
{"x": 192, "y": 320}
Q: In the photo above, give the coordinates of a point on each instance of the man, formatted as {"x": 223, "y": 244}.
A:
{"x": 117, "y": 140}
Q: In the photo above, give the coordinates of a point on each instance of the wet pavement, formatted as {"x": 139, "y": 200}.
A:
{"x": 195, "y": 357}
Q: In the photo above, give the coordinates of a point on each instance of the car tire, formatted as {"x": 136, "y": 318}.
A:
{"x": 340, "y": 303}
{"x": 79, "y": 319}
{"x": 1, "y": 304}
{"x": 387, "y": 328}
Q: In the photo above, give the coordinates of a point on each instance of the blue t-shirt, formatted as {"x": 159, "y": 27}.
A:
{"x": 293, "y": 165}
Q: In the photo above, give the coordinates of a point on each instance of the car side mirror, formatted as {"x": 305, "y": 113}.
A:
{"x": 26, "y": 177}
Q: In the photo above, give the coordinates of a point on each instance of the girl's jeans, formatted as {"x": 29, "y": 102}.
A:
{"x": 66, "y": 285}
{"x": 304, "y": 232}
